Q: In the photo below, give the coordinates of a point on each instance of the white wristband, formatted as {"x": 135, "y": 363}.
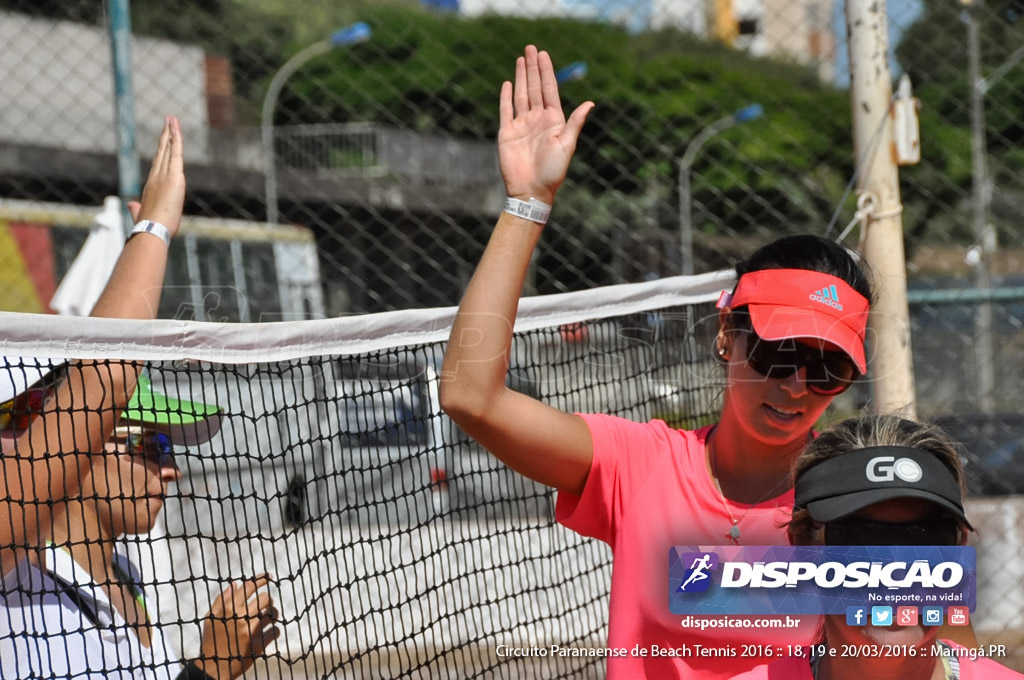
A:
{"x": 533, "y": 210}
{"x": 154, "y": 228}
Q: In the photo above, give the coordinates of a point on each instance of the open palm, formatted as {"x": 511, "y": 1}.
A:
{"x": 535, "y": 141}
{"x": 163, "y": 197}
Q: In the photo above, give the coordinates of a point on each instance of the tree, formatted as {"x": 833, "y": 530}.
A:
{"x": 440, "y": 72}
{"x": 940, "y": 78}
{"x": 436, "y": 71}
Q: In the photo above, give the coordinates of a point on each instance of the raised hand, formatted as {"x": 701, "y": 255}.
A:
{"x": 238, "y": 629}
{"x": 535, "y": 141}
{"x": 163, "y": 197}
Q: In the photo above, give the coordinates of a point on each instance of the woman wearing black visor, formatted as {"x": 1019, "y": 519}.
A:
{"x": 880, "y": 480}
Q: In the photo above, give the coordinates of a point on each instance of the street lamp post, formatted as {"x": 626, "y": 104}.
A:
{"x": 744, "y": 115}
{"x": 350, "y": 35}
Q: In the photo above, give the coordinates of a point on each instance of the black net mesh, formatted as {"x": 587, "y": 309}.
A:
{"x": 397, "y": 547}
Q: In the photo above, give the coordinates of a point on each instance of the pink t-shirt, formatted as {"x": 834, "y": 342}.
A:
{"x": 648, "y": 490}
{"x": 787, "y": 668}
{"x": 793, "y": 668}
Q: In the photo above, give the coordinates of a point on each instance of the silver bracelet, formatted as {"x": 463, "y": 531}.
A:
{"x": 533, "y": 210}
{"x": 154, "y": 228}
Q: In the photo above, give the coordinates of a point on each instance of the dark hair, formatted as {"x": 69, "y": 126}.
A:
{"x": 864, "y": 432}
{"x": 814, "y": 253}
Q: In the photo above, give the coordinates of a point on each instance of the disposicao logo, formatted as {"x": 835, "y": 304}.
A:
{"x": 827, "y": 296}
{"x": 818, "y": 579}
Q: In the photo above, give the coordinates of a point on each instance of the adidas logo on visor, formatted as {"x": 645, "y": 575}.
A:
{"x": 827, "y": 296}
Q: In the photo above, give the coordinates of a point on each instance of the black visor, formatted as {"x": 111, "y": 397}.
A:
{"x": 840, "y": 486}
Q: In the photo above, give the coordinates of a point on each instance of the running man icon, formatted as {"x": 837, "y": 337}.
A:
{"x": 698, "y": 572}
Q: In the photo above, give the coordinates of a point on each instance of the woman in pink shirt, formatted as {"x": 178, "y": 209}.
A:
{"x": 791, "y": 337}
{"x": 837, "y": 504}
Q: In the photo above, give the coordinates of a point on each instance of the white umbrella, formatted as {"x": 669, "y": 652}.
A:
{"x": 76, "y": 295}
{"x": 88, "y": 275}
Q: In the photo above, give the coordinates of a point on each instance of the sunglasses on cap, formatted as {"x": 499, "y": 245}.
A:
{"x": 153, "y": 446}
{"x": 827, "y": 372}
{"x": 939, "y": 530}
{"x": 17, "y": 414}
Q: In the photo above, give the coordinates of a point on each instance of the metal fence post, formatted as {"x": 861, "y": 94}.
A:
{"x": 984, "y": 232}
{"x": 128, "y": 173}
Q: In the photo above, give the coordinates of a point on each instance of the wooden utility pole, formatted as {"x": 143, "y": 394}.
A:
{"x": 891, "y": 367}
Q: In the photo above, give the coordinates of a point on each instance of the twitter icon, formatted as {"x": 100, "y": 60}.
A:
{"x": 881, "y": 616}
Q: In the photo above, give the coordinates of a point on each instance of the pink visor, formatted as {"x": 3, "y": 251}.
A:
{"x": 799, "y": 303}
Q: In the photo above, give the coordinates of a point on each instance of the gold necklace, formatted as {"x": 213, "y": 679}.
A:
{"x": 734, "y": 530}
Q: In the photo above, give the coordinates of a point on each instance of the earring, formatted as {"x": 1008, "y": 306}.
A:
{"x": 720, "y": 353}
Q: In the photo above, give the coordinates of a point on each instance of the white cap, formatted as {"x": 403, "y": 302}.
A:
{"x": 19, "y": 373}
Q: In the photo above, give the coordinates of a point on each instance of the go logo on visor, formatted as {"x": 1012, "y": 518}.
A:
{"x": 887, "y": 468}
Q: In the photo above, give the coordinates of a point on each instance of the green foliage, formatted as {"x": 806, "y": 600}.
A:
{"x": 654, "y": 92}
{"x": 433, "y": 71}
{"x": 440, "y": 72}
{"x": 925, "y": 54}
{"x": 940, "y": 77}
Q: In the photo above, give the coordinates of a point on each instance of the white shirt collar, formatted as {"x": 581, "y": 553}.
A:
{"x": 62, "y": 565}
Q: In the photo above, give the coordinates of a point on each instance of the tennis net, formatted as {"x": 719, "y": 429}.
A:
{"x": 398, "y": 547}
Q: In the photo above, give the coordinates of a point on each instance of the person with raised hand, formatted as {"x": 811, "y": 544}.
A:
{"x": 46, "y": 461}
{"x": 787, "y": 350}
{"x": 56, "y": 432}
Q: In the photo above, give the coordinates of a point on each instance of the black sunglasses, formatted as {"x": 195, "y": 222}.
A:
{"x": 828, "y": 373}
{"x": 939, "y": 530}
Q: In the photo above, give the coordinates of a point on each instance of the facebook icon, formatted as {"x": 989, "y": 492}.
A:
{"x": 856, "y": 616}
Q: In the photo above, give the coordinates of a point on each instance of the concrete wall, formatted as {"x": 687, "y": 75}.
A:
{"x": 58, "y": 89}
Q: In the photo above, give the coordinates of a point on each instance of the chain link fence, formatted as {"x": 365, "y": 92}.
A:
{"x": 383, "y": 149}
{"x": 386, "y": 173}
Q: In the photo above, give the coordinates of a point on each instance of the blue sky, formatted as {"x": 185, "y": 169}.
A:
{"x": 637, "y": 11}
